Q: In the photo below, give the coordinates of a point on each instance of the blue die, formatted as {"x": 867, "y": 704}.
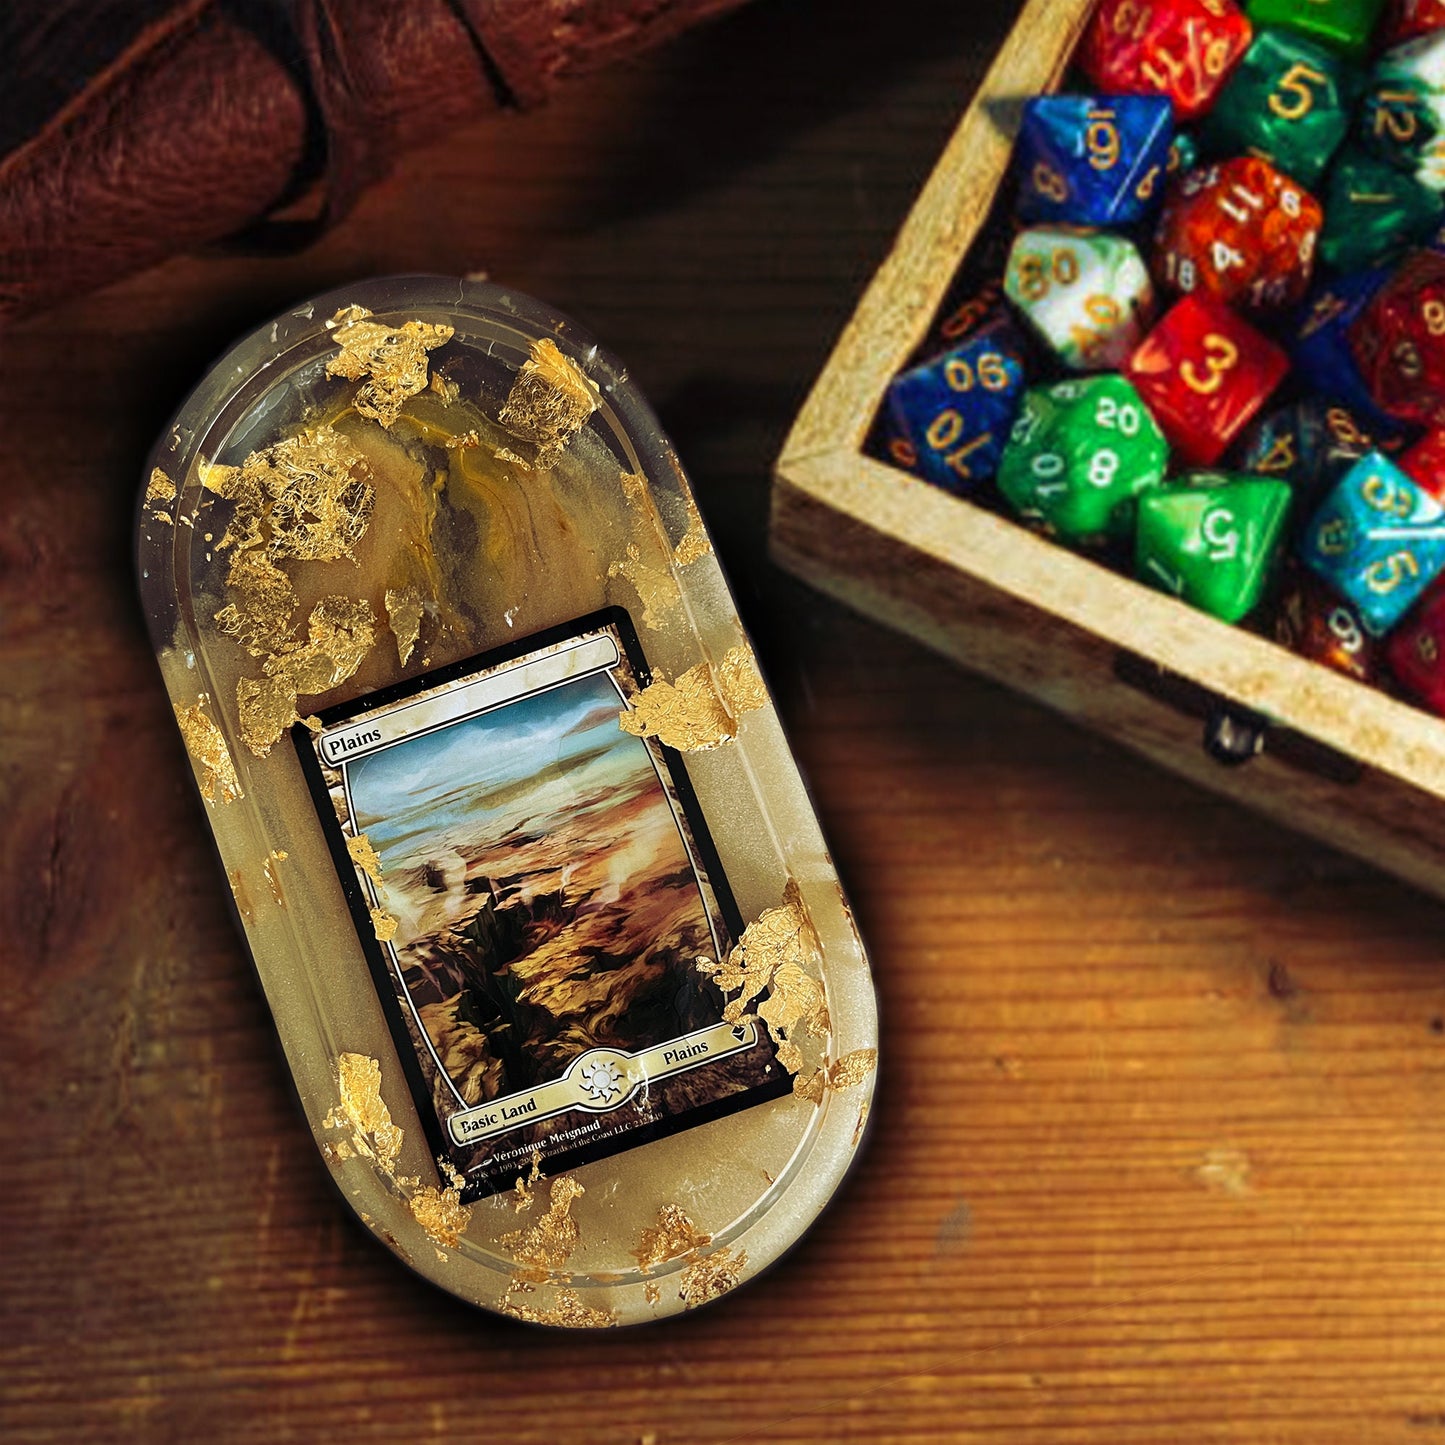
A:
{"x": 958, "y": 408}
{"x": 1378, "y": 540}
{"x": 1320, "y": 349}
{"x": 1093, "y": 160}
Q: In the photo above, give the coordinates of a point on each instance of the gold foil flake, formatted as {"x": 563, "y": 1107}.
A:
{"x": 777, "y": 937}
{"x": 795, "y": 1001}
{"x": 852, "y": 1068}
{"x": 523, "y": 1187}
{"x": 656, "y": 590}
{"x": 810, "y": 1086}
{"x": 207, "y": 747}
{"x": 300, "y": 498}
{"x": 568, "y": 1311}
{"x": 711, "y": 1277}
{"x": 441, "y": 1213}
{"x": 391, "y": 361}
{"x": 673, "y": 1236}
{"x": 269, "y": 873}
{"x": 340, "y": 634}
{"x": 694, "y": 544}
{"x": 546, "y": 1246}
{"x": 262, "y": 602}
{"x": 364, "y": 856}
{"x": 239, "y": 892}
{"x": 465, "y": 442}
{"x": 363, "y": 1110}
{"x": 445, "y": 388}
{"x": 384, "y": 925}
{"x": 700, "y": 710}
{"x": 862, "y": 1122}
{"x": 549, "y": 402}
{"x": 739, "y": 681}
{"x": 160, "y": 488}
{"x": 687, "y": 715}
{"x": 652, "y": 1292}
{"x": 404, "y": 612}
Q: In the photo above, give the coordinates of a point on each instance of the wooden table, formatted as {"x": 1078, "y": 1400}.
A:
{"x": 1157, "y": 1155}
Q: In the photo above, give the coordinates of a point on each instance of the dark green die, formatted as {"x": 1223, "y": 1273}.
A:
{"x": 1211, "y": 538}
{"x": 1344, "y": 25}
{"x": 1402, "y": 114}
{"x": 1079, "y": 453}
{"x": 1289, "y": 101}
{"x": 1373, "y": 212}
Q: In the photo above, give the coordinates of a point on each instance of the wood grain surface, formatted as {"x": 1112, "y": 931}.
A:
{"x": 1158, "y": 1154}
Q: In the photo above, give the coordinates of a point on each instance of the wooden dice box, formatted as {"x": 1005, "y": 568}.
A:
{"x": 1341, "y": 761}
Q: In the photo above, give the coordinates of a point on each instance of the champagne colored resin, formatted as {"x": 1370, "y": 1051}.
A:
{"x": 523, "y": 486}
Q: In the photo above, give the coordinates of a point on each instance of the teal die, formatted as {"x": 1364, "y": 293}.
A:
{"x": 1080, "y": 452}
{"x": 1288, "y": 100}
{"x": 1088, "y": 295}
{"x": 1345, "y": 26}
{"x": 1378, "y": 540}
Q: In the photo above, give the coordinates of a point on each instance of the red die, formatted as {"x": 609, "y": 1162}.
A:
{"x": 1424, "y": 464}
{"x": 1405, "y": 19}
{"x": 1240, "y": 230}
{"x": 1398, "y": 341}
{"x": 1184, "y": 49}
{"x": 1204, "y": 372}
{"x": 1312, "y": 621}
{"x": 1416, "y": 651}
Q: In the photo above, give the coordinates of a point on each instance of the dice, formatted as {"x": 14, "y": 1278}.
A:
{"x": 1288, "y": 101}
{"x": 1313, "y": 622}
{"x": 1241, "y": 231}
{"x": 1345, "y": 26}
{"x": 1398, "y": 341}
{"x": 1212, "y": 539}
{"x": 1324, "y": 360}
{"x": 1405, "y": 19}
{"x": 1091, "y": 160}
{"x": 1402, "y": 114}
{"x": 1378, "y": 540}
{"x": 1373, "y": 212}
{"x": 1309, "y": 444}
{"x": 1088, "y": 296}
{"x": 955, "y": 410}
{"x": 1416, "y": 653}
{"x": 1424, "y": 464}
{"x": 1080, "y": 451}
{"x": 1183, "y": 49}
{"x": 1204, "y": 372}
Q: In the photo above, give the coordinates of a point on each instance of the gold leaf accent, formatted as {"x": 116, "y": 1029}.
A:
{"x": 363, "y": 1110}
{"x": 364, "y": 856}
{"x": 263, "y": 600}
{"x": 809, "y": 1086}
{"x": 673, "y": 1236}
{"x": 652, "y": 1292}
{"x": 567, "y": 1311}
{"x": 711, "y": 1277}
{"x": 700, "y": 710}
{"x": 306, "y": 497}
{"x": 340, "y": 633}
{"x": 160, "y": 488}
{"x": 441, "y": 1213}
{"x": 852, "y": 1068}
{"x": 392, "y": 360}
{"x": 404, "y": 613}
{"x": 862, "y": 1121}
{"x": 523, "y": 1187}
{"x": 384, "y": 925}
{"x": 694, "y": 544}
{"x": 207, "y": 747}
{"x": 445, "y": 388}
{"x": 795, "y": 999}
{"x": 546, "y": 1246}
{"x": 549, "y": 402}
{"x": 656, "y": 590}
{"x": 775, "y": 938}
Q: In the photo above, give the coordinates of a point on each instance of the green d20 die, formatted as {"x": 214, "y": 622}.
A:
{"x": 1344, "y": 25}
{"x": 1288, "y": 100}
{"x": 1211, "y": 538}
{"x": 1373, "y": 212}
{"x": 1079, "y": 453}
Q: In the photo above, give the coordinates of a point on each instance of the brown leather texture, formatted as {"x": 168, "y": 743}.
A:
{"x": 137, "y": 129}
